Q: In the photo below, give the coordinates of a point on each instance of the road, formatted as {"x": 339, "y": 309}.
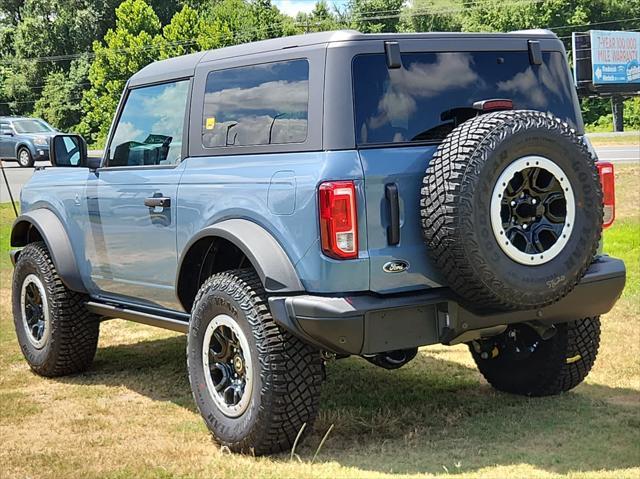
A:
{"x": 619, "y": 154}
{"x": 19, "y": 176}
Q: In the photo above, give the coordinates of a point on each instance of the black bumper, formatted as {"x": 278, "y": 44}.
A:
{"x": 367, "y": 324}
{"x": 40, "y": 153}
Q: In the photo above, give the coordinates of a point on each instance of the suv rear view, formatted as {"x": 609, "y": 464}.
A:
{"x": 296, "y": 200}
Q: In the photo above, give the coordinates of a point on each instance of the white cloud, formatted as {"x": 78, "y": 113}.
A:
{"x": 168, "y": 110}
{"x": 422, "y": 80}
{"x": 127, "y": 131}
{"x": 292, "y": 7}
{"x": 276, "y": 95}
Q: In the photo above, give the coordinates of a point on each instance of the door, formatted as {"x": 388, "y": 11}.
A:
{"x": 132, "y": 199}
{"x": 7, "y": 140}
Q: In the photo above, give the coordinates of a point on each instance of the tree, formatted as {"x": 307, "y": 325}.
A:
{"x": 321, "y": 19}
{"x": 189, "y": 31}
{"x": 59, "y": 103}
{"x": 429, "y": 16}
{"x": 376, "y": 16}
{"x": 134, "y": 43}
{"x": 46, "y": 28}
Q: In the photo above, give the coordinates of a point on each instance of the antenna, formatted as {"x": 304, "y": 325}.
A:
{"x": 6, "y": 182}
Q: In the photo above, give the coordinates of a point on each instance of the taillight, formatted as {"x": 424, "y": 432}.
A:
{"x": 607, "y": 181}
{"x": 338, "y": 220}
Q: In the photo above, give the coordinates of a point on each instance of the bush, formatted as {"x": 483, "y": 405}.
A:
{"x": 604, "y": 123}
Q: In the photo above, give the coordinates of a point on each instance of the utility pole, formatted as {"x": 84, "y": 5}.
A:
{"x": 617, "y": 108}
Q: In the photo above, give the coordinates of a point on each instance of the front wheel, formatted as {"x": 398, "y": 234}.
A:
{"x": 24, "y": 158}
{"x": 519, "y": 361}
{"x": 56, "y": 332}
{"x": 255, "y": 384}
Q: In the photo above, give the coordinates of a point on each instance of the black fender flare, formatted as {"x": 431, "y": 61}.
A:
{"x": 270, "y": 261}
{"x": 56, "y": 238}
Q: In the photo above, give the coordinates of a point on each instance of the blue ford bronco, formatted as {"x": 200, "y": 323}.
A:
{"x": 301, "y": 199}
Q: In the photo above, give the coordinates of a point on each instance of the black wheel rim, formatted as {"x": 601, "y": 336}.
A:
{"x": 227, "y": 365}
{"x": 533, "y": 210}
{"x": 35, "y": 315}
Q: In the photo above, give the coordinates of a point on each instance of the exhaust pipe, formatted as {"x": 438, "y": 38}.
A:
{"x": 392, "y": 359}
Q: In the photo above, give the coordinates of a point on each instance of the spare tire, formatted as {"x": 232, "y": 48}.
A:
{"x": 512, "y": 210}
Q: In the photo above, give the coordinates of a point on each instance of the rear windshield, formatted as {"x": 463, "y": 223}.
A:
{"x": 433, "y": 92}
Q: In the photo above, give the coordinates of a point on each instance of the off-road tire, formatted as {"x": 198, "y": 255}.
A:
{"x": 456, "y": 214}
{"x": 288, "y": 372}
{"x": 29, "y": 163}
{"x": 74, "y": 331}
{"x": 557, "y": 365}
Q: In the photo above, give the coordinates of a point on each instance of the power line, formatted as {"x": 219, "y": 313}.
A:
{"x": 362, "y": 18}
{"x": 245, "y": 33}
{"x": 596, "y": 23}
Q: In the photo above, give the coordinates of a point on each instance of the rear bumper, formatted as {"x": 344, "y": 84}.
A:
{"x": 367, "y": 324}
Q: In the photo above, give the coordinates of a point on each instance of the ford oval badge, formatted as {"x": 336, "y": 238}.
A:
{"x": 396, "y": 266}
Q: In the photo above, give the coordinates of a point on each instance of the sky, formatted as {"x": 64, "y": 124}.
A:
{"x": 292, "y": 7}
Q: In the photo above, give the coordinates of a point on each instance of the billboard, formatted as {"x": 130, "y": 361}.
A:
{"x": 615, "y": 57}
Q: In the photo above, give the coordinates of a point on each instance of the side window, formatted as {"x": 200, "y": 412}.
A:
{"x": 149, "y": 131}
{"x": 257, "y": 105}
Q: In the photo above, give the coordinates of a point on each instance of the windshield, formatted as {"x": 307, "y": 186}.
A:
{"x": 433, "y": 92}
{"x": 32, "y": 126}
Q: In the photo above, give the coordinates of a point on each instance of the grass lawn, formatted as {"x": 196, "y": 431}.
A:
{"x": 616, "y": 140}
{"x": 132, "y": 414}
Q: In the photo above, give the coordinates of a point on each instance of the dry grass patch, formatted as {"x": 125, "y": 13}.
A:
{"x": 132, "y": 414}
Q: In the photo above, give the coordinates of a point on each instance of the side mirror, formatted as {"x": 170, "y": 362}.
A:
{"x": 68, "y": 151}
{"x": 6, "y": 133}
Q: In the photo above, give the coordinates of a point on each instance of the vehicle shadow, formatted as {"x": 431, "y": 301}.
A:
{"x": 432, "y": 415}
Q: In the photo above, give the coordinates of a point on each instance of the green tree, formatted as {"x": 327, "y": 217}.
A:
{"x": 59, "y": 103}
{"x": 375, "y": 16}
{"x": 564, "y": 16}
{"x": 134, "y": 43}
{"x": 189, "y": 32}
{"x": 431, "y": 16}
{"x": 47, "y": 28}
{"x": 321, "y": 19}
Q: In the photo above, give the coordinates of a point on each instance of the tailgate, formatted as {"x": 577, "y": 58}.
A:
{"x": 409, "y": 165}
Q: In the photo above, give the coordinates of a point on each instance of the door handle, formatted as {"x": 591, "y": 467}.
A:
{"x": 157, "y": 202}
{"x": 393, "y": 230}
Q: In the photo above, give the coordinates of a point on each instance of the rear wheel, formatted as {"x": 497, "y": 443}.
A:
{"x": 24, "y": 158}
{"x": 56, "y": 333}
{"x": 519, "y": 361}
{"x": 255, "y": 384}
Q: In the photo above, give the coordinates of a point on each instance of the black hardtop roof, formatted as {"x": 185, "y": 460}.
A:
{"x": 184, "y": 66}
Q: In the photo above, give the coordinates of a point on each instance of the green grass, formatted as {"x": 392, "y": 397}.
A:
{"x": 616, "y": 140}
{"x": 623, "y": 241}
{"x": 132, "y": 414}
{"x": 6, "y": 220}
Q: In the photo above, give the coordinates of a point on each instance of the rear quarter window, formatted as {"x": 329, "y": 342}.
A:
{"x": 257, "y": 105}
{"x": 410, "y": 104}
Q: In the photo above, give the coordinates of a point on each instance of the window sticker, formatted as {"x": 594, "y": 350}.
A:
{"x": 210, "y": 123}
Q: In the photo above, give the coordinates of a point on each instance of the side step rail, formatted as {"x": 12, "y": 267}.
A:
{"x": 151, "y": 319}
